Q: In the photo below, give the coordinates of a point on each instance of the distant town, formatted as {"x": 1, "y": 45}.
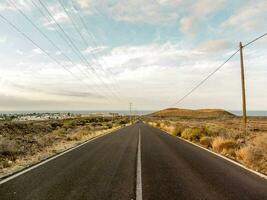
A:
{"x": 35, "y": 116}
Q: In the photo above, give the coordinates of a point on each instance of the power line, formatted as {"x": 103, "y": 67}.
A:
{"x": 85, "y": 41}
{"x": 62, "y": 37}
{"x": 77, "y": 30}
{"x": 38, "y": 46}
{"x": 74, "y": 47}
{"x": 50, "y": 41}
{"x": 205, "y": 79}
{"x": 41, "y": 32}
{"x": 252, "y": 41}
{"x": 218, "y": 68}
{"x": 78, "y": 11}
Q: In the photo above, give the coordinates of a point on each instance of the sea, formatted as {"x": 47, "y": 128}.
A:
{"x": 250, "y": 112}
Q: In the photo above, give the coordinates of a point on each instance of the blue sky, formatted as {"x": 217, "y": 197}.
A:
{"x": 149, "y": 52}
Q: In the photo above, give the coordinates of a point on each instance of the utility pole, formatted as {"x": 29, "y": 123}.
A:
{"x": 243, "y": 88}
{"x": 130, "y": 113}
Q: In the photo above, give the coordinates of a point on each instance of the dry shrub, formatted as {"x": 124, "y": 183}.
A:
{"x": 50, "y": 138}
{"x": 78, "y": 135}
{"x": 254, "y": 154}
{"x": 229, "y": 133}
{"x": 224, "y": 146}
{"x": 168, "y": 128}
{"x": 45, "y": 141}
{"x": 178, "y": 129}
{"x": 8, "y": 147}
{"x": 191, "y": 134}
{"x": 206, "y": 141}
{"x": 167, "y": 123}
{"x": 162, "y": 125}
{"x": 60, "y": 131}
{"x": 152, "y": 123}
{"x": 211, "y": 130}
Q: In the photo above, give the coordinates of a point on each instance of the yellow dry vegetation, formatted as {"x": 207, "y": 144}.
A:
{"x": 249, "y": 148}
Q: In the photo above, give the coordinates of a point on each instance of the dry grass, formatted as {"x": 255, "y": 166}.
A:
{"x": 254, "y": 154}
{"x": 192, "y": 134}
{"x": 178, "y": 129}
{"x": 8, "y": 147}
{"x": 79, "y": 134}
{"x": 224, "y": 146}
{"x": 206, "y": 141}
{"x": 224, "y": 136}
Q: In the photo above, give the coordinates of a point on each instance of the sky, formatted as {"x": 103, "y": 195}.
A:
{"x": 104, "y": 54}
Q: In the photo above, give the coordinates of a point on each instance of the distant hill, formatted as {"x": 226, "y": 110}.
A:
{"x": 188, "y": 113}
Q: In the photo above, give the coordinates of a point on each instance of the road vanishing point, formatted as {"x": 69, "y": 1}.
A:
{"x": 136, "y": 162}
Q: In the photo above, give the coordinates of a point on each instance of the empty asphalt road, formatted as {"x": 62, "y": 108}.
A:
{"x": 106, "y": 168}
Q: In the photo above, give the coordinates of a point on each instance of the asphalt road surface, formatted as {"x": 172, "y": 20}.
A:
{"x": 106, "y": 168}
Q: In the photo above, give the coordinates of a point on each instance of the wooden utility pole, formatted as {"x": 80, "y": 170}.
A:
{"x": 243, "y": 88}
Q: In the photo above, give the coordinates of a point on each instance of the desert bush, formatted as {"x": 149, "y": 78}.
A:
{"x": 8, "y": 147}
{"x": 78, "y": 135}
{"x": 178, "y": 129}
{"x": 206, "y": 141}
{"x": 210, "y": 130}
{"x": 109, "y": 125}
{"x": 60, "y": 131}
{"x": 45, "y": 141}
{"x": 24, "y": 128}
{"x": 167, "y": 123}
{"x": 229, "y": 133}
{"x": 254, "y": 154}
{"x": 191, "y": 134}
{"x": 123, "y": 122}
{"x": 224, "y": 146}
{"x": 56, "y": 124}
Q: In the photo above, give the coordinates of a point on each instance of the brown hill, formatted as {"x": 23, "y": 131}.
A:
{"x": 188, "y": 113}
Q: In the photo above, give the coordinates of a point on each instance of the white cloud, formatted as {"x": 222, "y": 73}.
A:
{"x": 37, "y": 51}
{"x": 3, "y": 39}
{"x": 149, "y": 12}
{"x": 162, "y": 56}
{"x": 215, "y": 46}
{"x": 252, "y": 15}
{"x": 161, "y": 70}
{"x": 202, "y": 8}
{"x": 60, "y": 17}
{"x": 85, "y": 3}
{"x": 171, "y": 70}
{"x": 19, "y": 52}
{"x": 58, "y": 53}
{"x": 58, "y": 14}
{"x": 190, "y": 24}
{"x": 98, "y": 49}
{"x": 146, "y": 11}
{"x": 25, "y": 5}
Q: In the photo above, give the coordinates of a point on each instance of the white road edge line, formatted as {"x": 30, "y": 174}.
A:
{"x": 138, "y": 171}
{"x": 221, "y": 156}
{"x": 52, "y": 158}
